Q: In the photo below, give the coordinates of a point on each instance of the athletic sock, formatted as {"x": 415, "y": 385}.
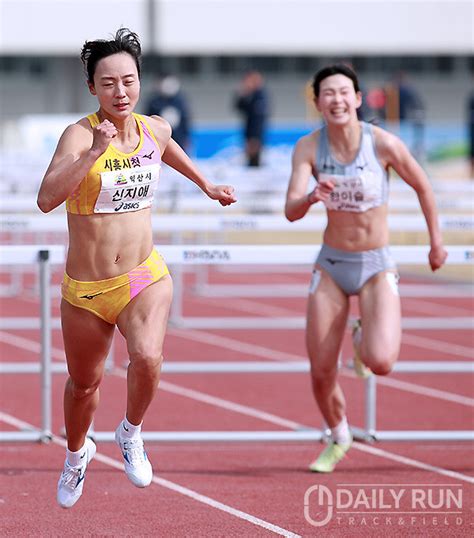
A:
{"x": 75, "y": 459}
{"x": 341, "y": 433}
{"x": 129, "y": 430}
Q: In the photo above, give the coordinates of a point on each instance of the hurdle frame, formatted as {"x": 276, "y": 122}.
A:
{"x": 45, "y": 255}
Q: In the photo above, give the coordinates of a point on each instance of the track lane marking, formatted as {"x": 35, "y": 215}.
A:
{"x": 267, "y": 353}
{"x": 359, "y": 446}
{"x": 187, "y": 492}
{"x": 260, "y": 351}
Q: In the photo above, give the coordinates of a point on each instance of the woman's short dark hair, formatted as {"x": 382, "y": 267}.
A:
{"x": 335, "y": 69}
{"x": 124, "y": 41}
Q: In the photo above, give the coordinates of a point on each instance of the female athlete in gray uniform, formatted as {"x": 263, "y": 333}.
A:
{"x": 350, "y": 161}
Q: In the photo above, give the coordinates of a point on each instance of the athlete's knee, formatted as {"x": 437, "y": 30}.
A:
{"x": 323, "y": 377}
{"x": 380, "y": 365}
{"x": 146, "y": 360}
{"x": 80, "y": 390}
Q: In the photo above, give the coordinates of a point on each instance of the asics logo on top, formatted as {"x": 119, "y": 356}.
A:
{"x": 149, "y": 155}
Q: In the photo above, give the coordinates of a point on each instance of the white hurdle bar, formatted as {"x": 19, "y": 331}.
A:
{"x": 46, "y": 255}
{"x": 173, "y": 223}
{"x": 228, "y": 255}
{"x": 267, "y": 199}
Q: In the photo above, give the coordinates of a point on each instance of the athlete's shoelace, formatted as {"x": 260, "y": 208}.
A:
{"x": 71, "y": 476}
{"x": 134, "y": 450}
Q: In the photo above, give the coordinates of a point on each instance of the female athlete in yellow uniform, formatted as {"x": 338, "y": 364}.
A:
{"x": 106, "y": 168}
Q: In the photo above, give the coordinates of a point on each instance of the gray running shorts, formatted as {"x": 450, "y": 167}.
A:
{"x": 351, "y": 270}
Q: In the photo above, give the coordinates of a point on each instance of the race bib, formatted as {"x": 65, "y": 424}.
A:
{"x": 353, "y": 193}
{"x": 127, "y": 190}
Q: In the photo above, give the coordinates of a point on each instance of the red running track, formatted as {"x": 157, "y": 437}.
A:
{"x": 248, "y": 489}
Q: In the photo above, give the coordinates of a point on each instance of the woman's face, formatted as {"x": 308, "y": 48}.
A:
{"x": 116, "y": 84}
{"x": 338, "y": 101}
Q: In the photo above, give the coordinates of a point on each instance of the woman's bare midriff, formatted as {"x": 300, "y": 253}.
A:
{"x": 107, "y": 245}
{"x": 357, "y": 231}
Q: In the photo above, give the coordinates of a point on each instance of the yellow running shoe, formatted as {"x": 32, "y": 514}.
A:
{"x": 329, "y": 457}
{"x": 360, "y": 368}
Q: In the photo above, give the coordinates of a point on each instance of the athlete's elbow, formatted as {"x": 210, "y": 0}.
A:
{"x": 45, "y": 203}
{"x": 291, "y": 215}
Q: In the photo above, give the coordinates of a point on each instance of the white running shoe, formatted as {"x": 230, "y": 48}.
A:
{"x": 71, "y": 481}
{"x": 137, "y": 466}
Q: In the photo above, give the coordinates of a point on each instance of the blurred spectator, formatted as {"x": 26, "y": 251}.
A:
{"x": 470, "y": 120}
{"x": 170, "y": 103}
{"x": 411, "y": 111}
{"x": 253, "y": 103}
{"x": 376, "y": 102}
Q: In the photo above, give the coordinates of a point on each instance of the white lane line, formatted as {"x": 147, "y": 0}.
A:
{"x": 220, "y": 402}
{"x": 426, "y": 307}
{"x": 116, "y": 464}
{"x": 234, "y": 345}
{"x": 407, "y": 337}
{"x": 237, "y": 345}
{"x": 248, "y": 305}
{"x": 425, "y": 391}
{"x": 230, "y": 343}
{"x": 437, "y": 345}
{"x": 413, "y": 463}
{"x": 359, "y": 446}
{"x": 244, "y": 410}
{"x": 20, "y": 341}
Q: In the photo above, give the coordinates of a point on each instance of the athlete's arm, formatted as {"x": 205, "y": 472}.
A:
{"x": 75, "y": 154}
{"x": 298, "y": 201}
{"x": 394, "y": 153}
{"x": 173, "y": 155}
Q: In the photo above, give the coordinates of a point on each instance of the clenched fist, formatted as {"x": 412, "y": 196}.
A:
{"x": 103, "y": 135}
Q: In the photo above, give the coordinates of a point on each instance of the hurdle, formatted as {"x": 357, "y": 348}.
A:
{"x": 47, "y": 255}
{"x": 178, "y": 225}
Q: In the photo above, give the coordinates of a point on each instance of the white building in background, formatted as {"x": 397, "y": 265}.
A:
{"x": 243, "y": 27}
{"x": 209, "y": 43}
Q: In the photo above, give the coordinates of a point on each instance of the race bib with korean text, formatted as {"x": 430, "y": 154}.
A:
{"x": 127, "y": 190}
{"x": 353, "y": 193}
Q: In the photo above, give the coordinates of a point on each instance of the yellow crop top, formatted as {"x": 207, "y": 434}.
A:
{"x": 119, "y": 182}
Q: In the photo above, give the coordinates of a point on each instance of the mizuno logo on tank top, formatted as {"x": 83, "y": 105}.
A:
{"x": 359, "y": 185}
{"x": 120, "y": 182}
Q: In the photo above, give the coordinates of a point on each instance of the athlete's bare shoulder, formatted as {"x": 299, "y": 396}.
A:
{"x": 387, "y": 144}
{"x": 161, "y": 129}
{"x": 307, "y": 145}
{"x": 77, "y": 135}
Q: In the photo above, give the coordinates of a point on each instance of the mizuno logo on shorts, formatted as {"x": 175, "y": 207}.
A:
{"x": 332, "y": 261}
{"x": 90, "y": 296}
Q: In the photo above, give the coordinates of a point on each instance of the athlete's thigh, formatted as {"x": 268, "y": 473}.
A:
{"x": 380, "y": 309}
{"x": 143, "y": 321}
{"x": 87, "y": 339}
{"x": 327, "y": 311}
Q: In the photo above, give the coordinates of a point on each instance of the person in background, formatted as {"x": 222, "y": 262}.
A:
{"x": 350, "y": 160}
{"x": 411, "y": 111}
{"x": 470, "y": 131}
{"x": 252, "y": 102}
{"x": 106, "y": 168}
{"x": 171, "y": 104}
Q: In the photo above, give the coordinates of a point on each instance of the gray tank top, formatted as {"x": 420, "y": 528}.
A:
{"x": 361, "y": 184}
